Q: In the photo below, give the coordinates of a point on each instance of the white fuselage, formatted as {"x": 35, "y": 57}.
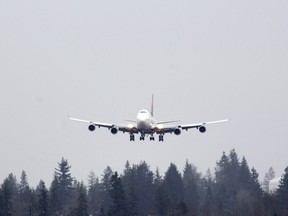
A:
{"x": 145, "y": 121}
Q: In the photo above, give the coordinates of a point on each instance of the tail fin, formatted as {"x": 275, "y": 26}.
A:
{"x": 152, "y": 105}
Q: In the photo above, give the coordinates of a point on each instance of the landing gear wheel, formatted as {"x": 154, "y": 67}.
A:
{"x": 142, "y": 138}
{"x": 132, "y": 137}
{"x": 161, "y": 138}
{"x": 152, "y": 138}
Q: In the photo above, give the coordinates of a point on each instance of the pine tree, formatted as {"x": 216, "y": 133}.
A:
{"x": 82, "y": 208}
{"x": 174, "y": 187}
{"x": 191, "y": 180}
{"x": 25, "y": 194}
{"x": 94, "y": 192}
{"x": 43, "y": 199}
{"x": 9, "y": 190}
{"x": 61, "y": 188}
{"x": 117, "y": 193}
{"x": 256, "y": 193}
{"x": 268, "y": 177}
{"x": 282, "y": 193}
{"x": 2, "y": 203}
{"x": 161, "y": 201}
{"x": 105, "y": 188}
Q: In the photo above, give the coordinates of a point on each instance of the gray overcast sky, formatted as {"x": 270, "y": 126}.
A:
{"x": 102, "y": 60}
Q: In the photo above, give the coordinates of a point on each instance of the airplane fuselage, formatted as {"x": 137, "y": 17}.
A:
{"x": 145, "y": 121}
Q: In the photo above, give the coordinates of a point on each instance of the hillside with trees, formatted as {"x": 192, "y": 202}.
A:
{"x": 233, "y": 188}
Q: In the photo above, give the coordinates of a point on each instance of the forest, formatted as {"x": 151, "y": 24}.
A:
{"x": 231, "y": 189}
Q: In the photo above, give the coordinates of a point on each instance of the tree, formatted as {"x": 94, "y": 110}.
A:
{"x": 191, "y": 180}
{"x": 105, "y": 197}
{"x": 61, "y": 188}
{"x": 2, "y": 203}
{"x": 25, "y": 194}
{"x": 9, "y": 191}
{"x": 221, "y": 182}
{"x": 82, "y": 207}
{"x": 282, "y": 193}
{"x": 94, "y": 192}
{"x": 139, "y": 188}
{"x": 117, "y": 193}
{"x": 256, "y": 193}
{"x": 207, "y": 201}
{"x": 267, "y": 178}
{"x": 161, "y": 201}
{"x": 43, "y": 199}
{"x": 173, "y": 185}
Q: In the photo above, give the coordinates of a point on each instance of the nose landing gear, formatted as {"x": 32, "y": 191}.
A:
{"x": 161, "y": 138}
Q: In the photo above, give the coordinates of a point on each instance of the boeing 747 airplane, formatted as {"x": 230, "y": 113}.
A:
{"x": 145, "y": 124}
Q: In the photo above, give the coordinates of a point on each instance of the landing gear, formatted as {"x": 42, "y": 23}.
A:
{"x": 132, "y": 137}
{"x": 152, "y": 138}
{"x": 142, "y": 138}
{"x": 161, "y": 138}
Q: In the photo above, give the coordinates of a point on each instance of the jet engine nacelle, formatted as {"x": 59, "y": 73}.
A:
{"x": 114, "y": 130}
{"x": 91, "y": 127}
{"x": 202, "y": 129}
{"x": 177, "y": 131}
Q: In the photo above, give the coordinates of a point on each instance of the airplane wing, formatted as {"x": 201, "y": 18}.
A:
{"x": 114, "y": 128}
{"x": 162, "y": 129}
{"x": 98, "y": 124}
{"x": 189, "y": 126}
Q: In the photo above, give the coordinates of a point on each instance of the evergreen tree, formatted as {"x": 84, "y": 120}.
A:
{"x": 138, "y": 184}
{"x": 82, "y": 208}
{"x": 191, "y": 180}
{"x": 55, "y": 197}
{"x": 243, "y": 195}
{"x": 94, "y": 191}
{"x": 157, "y": 178}
{"x": 161, "y": 201}
{"x": 221, "y": 182}
{"x": 268, "y": 177}
{"x": 207, "y": 200}
{"x": 25, "y": 195}
{"x": 2, "y": 203}
{"x": 174, "y": 187}
{"x": 256, "y": 193}
{"x": 9, "y": 190}
{"x": 105, "y": 188}
{"x": 61, "y": 188}
{"x": 117, "y": 193}
{"x": 43, "y": 199}
{"x": 282, "y": 193}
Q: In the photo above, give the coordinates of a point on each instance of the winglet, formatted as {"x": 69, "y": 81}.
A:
{"x": 152, "y": 105}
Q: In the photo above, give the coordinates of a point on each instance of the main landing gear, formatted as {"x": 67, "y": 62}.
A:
{"x": 152, "y": 138}
{"x": 132, "y": 137}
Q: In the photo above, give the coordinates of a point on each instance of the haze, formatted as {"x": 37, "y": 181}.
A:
{"x": 102, "y": 60}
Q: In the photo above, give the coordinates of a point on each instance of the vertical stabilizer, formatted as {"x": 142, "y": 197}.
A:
{"x": 152, "y": 105}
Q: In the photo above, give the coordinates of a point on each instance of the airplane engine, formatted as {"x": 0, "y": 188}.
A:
{"x": 202, "y": 129}
{"x": 114, "y": 130}
{"x": 91, "y": 127}
{"x": 177, "y": 131}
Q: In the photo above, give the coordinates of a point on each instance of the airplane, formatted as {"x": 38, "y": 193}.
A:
{"x": 146, "y": 125}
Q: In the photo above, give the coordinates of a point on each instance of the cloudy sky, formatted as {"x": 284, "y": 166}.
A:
{"x": 102, "y": 60}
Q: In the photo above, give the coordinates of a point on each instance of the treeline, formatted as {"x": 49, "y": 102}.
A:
{"x": 233, "y": 189}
